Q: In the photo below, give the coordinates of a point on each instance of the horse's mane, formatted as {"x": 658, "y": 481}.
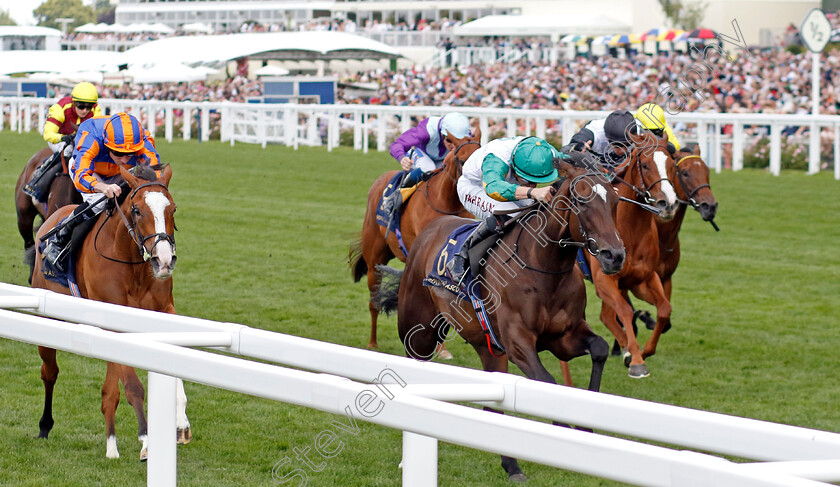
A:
{"x": 143, "y": 171}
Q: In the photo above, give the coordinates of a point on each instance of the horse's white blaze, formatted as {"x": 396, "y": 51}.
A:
{"x": 601, "y": 192}
{"x": 181, "y": 421}
{"x": 660, "y": 158}
{"x": 111, "y": 451}
{"x": 157, "y": 202}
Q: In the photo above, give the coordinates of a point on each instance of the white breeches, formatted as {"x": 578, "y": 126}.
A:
{"x": 476, "y": 201}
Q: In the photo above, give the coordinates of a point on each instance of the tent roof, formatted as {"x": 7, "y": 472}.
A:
{"x": 217, "y": 49}
{"x": 12, "y": 62}
{"x": 542, "y": 25}
{"x": 28, "y": 31}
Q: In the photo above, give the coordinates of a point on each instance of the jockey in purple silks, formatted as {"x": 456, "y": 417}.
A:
{"x": 421, "y": 149}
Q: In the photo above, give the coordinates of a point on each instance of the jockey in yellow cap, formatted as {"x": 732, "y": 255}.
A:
{"x": 652, "y": 117}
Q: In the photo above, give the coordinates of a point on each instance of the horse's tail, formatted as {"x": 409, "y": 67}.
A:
{"x": 29, "y": 259}
{"x": 385, "y": 297}
{"x": 357, "y": 262}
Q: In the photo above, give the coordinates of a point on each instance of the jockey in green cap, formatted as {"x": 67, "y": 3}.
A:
{"x": 503, "y": 175}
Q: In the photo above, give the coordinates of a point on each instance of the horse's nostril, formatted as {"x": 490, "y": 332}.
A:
{"x": 662, "y": 204}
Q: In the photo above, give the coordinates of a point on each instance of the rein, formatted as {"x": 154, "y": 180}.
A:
{"x": 440, "y": 171}
{"x": 133, "y": 232}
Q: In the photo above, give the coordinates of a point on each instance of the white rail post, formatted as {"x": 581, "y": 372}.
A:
{"x": 365, "y": 132}
{"x": 187, "y": 122}
{"x": 205, "y": 123}
{"x": 814, "y": 148}
{"x": 420, "y": 460}
{"x": 151, "y": 119}
{"x": 167, "y": 124}
{"x": 510, "y": 126}
{"x": 357, "y": 129}
{"x": 162, "y": 466}
{"x": 775, "y": 148}
{"x": 718, "y": 152}
{"x": 837, "y": 151}
{"x": 27, "y": 117}
{"x": 381, "y": 121}
{"x": 703, "y": 141}
{"x": 484, "y": 125}
{"x": 738, "y": 146}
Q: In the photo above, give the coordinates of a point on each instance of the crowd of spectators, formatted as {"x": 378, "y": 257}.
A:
{"x": 236, "y": 89}
{"x": 761, "y": 81}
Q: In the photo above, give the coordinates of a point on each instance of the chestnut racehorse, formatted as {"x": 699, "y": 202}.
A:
{"x": 535, "y": 299}
{"x": 693, "y": 189}
{"x": 645, "y": 178}
{"x": 435, "y": 197}
{"x": 127, "y": 259}
{"x": 62, "y": 192}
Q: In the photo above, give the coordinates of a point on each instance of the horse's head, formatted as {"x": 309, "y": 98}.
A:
{"x": 454, "y": 144}
{"x": 593, "y": 202}
{"x": 653, "y": 164}
{"x": 151, "y": 212}
{"x": 693, "y": 183}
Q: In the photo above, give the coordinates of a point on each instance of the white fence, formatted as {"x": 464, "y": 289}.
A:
{"x": 296, "y": 124}
{"x": 411, "y": 398}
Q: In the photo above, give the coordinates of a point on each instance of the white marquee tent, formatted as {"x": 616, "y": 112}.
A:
{"x": 542, "y": 25}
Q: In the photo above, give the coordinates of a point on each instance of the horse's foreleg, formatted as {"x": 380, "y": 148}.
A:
{"x": 652, "y": 292}
{"x": 49, "y": 374}
{"x": 614, "y": 305}
{"x": 110, "y": 399}
{"x": 181, "y": 422}
{"x": 136, "y": 395}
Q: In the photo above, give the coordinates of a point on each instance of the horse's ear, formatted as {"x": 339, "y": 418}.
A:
{"x": 696, "y": 150}
{"x": 129, "y": 178}
{"x": 566, "y": 169}
{"x": 476, "y": 135}
{"x": 166, "y": 174}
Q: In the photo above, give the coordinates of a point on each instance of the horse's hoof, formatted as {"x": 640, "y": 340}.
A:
{"x": 184, "y": 436}
{"x": 444, "y": 354}
{"x": 627, "y": 357}
{"x": 638, "y": 371}
{"x": 616, "y": 349}
{"x": 144, "y": 454}
{"x": 518, "y": 477}
{"x": 373, "y": 346}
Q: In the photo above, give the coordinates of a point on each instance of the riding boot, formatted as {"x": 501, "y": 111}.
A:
{"x": 39, "y": 184}
{"x": 460, "y": 262}
{"x": 58, "y": 244}
{"x": 394, "y": 201}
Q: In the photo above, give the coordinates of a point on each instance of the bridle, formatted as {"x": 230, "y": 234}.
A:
{"x": 138, "y": 238}
{"x": 459, "y": 162}
{"x": 689, "y": 194}
{"x": 644, "y": 191}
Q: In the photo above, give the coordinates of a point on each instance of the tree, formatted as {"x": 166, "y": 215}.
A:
{"x": 51, "y": 10}
{"x": 684, "y": 15}
{"x": 105, "y": 12}
{"x": 6, "y": 19}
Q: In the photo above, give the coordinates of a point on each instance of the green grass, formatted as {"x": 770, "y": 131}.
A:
{"x": 263, "y": 242}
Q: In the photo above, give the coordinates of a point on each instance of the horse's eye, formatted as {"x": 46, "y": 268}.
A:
{"x": 685, "y": 172}
{"x": 135, "y": 211}
{"x": 644, "y": 165}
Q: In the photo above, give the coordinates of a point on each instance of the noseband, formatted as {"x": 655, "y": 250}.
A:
{"x": 689, "y": 194}
{"x": 134, "y": 232}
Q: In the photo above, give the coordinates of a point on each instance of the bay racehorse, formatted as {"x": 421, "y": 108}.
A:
{"x": 61, "y": 193}
{"x": 435, "y": 197}
{"x": 645, "y": 179}
{"x": 535, "y": 298}
{"x": 127, "y": 259}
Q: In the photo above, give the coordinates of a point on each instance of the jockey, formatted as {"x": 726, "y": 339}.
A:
{"x": 607, "y": 138}
{"x": 422, "y": 149}
{"x": 103, "y": 146}
{"x": 652, "y": 117}
{"x": 59, "y": 131}
{"x": 502, "y": 175}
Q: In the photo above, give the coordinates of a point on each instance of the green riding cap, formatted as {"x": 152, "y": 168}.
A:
{"x": 532, "y": 160}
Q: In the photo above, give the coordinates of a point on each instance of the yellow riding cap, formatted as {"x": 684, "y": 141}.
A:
{"x": 85, "y": 92}
{"x": 651, "y": 116}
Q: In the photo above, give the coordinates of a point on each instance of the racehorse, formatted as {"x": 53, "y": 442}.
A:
{"x": 644, "y": 178}
{"x": 692, "y": 190}
{"x": 127, "y": 259}
{"x": 62, "y": 192}
{"x": 435, "y": 197}
{"x": 535, "y": 298}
